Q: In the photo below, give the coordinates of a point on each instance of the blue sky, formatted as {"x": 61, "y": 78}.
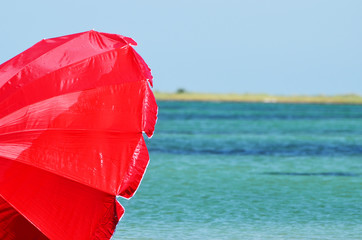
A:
{"x": 257, "y": 46}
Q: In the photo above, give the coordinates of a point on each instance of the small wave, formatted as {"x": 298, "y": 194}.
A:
{"x": 333, "y": 174}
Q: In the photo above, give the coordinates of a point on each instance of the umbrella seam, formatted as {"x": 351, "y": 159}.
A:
{"x": 75, "y": 129}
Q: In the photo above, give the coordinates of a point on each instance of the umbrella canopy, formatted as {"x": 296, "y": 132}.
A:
{"x": 73, "y": 111}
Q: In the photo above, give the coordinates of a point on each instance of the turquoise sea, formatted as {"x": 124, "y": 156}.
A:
{"x": 250, "y": 171}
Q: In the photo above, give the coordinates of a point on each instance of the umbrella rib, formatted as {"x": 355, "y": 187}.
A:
{"x": 69, "y": 130}
{"x": 71, "y": 92}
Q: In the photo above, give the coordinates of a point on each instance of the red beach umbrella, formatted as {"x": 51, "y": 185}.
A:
{"x": 72, "y": 113}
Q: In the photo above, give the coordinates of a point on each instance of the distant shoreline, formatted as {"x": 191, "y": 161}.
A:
{"x": 262, "y": 98}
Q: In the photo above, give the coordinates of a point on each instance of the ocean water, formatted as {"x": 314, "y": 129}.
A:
{"x": 250, "y": 171}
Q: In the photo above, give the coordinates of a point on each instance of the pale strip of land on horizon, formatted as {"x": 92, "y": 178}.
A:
{"x": 323, "y": 99}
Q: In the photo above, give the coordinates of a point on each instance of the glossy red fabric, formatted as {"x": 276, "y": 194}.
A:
{"x": 72, "y": 113}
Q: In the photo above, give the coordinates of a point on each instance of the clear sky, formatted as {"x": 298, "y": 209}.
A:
{"x": 255, "y": 46}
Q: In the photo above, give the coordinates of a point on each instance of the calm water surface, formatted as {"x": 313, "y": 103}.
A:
{"x": 250, "y": 171}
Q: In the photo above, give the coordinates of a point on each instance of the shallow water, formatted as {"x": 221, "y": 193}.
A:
{"x": 250, "y": 171}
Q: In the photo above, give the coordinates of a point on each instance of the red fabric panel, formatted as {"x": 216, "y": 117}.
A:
{"x": 49, "y": 55}
{"x": 109, "y": 68}
{"x": 60, "y": 208}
